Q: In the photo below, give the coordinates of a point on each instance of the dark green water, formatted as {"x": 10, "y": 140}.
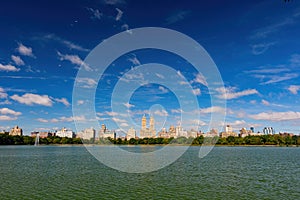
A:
{"x": 55, "y": 172}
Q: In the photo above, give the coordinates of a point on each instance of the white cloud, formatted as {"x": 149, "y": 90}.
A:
{"x": 7, "y": 111}
{"x": 238, "y": 123}
{"x": 228, "y": 93}
{"x": 3, "y": 93}
{"x": 74, "y": 59}
{"x": 62, "y": 119}
{"x": 114, "y": 2}
{"x": 31, "y": 99}
{"x": 8, "y": 68}
{"x": 213, "y": 109}
{"x": 267, "y": 30}
{"x": 25, "y": 51}
{"x": 277, "y": 78}
{"x": 6, "y": 102}
{"x": 118, "y": 120}
{"x": 80, "y": 102}
{"x": 96, "y": 14}
{"x": 67, "y": 43}
{"x": 7, "y": 118}
{"x": 183, "y": 83}
{"x": 159, "y": 75}
{"x": 86, "y": 82}
{"x": 180, "y": 74}
{"x": 128, "y": 105}
{"x": 264, "y": 102}
{"x": 126, "y": 28}
{"x": 264, "y": 70}
{"x": 134, "y": 60}
{"x": 176, "y": 110}
{"x": 42, "y": 120}
{"x": 163, "y": 89}
{"x": 276, "y": 116}
{"x": 160, "y": 113}
{"x": 258, "y": 49}
{"x": 197, "y": 92}
{"x": 119, "y": 15}
{"x": 200, "y": 79}
{"x": 294, "y": 89}
{"x": 128, "y": 77}
{"x": 124, "y": 124}
{"x": 17, "y": 59}
{"x": 63, "y": 101}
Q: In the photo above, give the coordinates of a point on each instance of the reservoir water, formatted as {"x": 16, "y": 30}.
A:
{"x": 70, "y": 172}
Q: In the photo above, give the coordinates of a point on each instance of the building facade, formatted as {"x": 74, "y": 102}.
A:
{"x": 16, "y": 131}
{"x": 146, "y": 132}
{"x": 65, "y": 133}
{"x": 105, "y": 133}
{"x": 131, "y": 133}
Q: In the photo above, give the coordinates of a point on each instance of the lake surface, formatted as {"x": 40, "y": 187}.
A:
{"x": 70, "y": 172}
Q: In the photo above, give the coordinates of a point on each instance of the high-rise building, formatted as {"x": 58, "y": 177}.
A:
{"x": 65, "y": 133}
{"x": 228, "y": 129}
{"x": 105, "y": 133}
{"x": 148, "y": 132}
{"x": 16, "y": 131}
{"x": 87, "y": 134}
{"x": 131, "y": 133}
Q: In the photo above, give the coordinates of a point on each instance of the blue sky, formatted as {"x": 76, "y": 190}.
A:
{"x": 255, "y": 45}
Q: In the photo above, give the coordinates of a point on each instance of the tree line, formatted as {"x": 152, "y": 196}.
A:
{"x": 279, "y": 140}
{"x": 6, "y": 139}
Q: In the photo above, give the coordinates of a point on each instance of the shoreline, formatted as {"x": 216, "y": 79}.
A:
{"x": 149, "y": 145}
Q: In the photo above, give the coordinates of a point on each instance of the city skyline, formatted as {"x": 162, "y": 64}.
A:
{"x": 254, "y": 44}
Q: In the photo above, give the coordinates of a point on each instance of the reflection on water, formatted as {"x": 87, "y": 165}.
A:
{"x": 70, "y": 172}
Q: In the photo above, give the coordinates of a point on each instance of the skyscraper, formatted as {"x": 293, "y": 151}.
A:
{"x": 148, "y": 132}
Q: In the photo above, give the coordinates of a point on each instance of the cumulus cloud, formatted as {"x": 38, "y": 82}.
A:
{"x": 163, "y": 89}
{"x": 8, "y": 114}
{"x": 264, "y": 102}
{"x": 200, "y": 79}
{"x": 74, "y": 59}
{"x": 213, "y": 109}
{"x": 160, "y": 113}
{"x": 128, "y": 105}
{"x": 9, "y": 68}
{"x": 63, "y": 101}
{"x": 197, "y": 92}
{"x": 62, "y": 119}
{"x": 228, "y": 93}
{"x": 31, "y": 99}
{"x": 7, "y": 111}
{"x": 86, "y": 82}
{"x": 3, "y": 93}
{"x": 276, "y": 116}
{"x": 118, "y": 120}
{"x": 7, "y": 118}
{"x": 80, "y": 102}
{"x": 25, "y": 51}
{"x": 17, "y": 60}
{"x": 294, "y": 89}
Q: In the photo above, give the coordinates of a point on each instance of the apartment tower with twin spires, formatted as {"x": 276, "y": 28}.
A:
{"x": 148, "y": 132}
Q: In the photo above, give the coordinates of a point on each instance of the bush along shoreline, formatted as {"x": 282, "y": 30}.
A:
{"x": 264, "y": 140}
